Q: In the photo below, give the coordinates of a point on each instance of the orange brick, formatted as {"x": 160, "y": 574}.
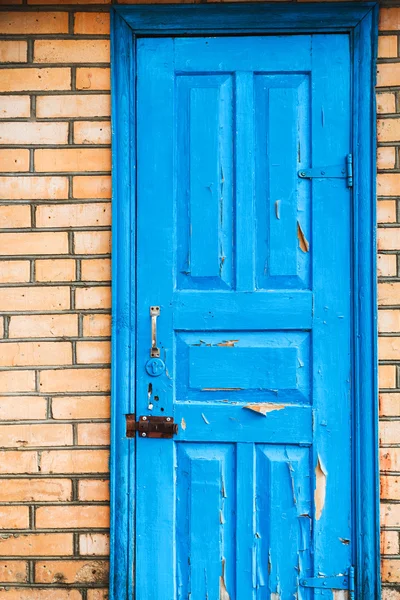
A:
{"x": 81, "y": 407}
{"x": 96, "y": 270}
{"x": 387, "y": 376}
{"x": 71, "y": 51}
{"x": 390, "y": 571}
{"x": 390, "y": 487}
{"x": 14, "y": 106}
{"x": 389, "y": 348}
{"x": 69, "y": 2}
{"x": 16, "y": 462}
{"x": 68, "y": 517}
{"x": 97, "y": 594}
{"x": 92, "y": 132}
{"x": 15, "y": 51}
{"x": 24, "y": 436}
{"x": 389, "y": 19}
{"x": 71, "y": 159}
{"x": 33, "y": 22}
{"x": 74, "y": 215}
{"x": 33, "y": 188}
{"x": 387, "y": 46}
{"x": 37, "y": 544}
{"x": 386, "y": 158}
{"x": 386, "y": 211}
{"x": 387, "y": 265}
{"x": 20, "y": 381}
{"x": 92, "y": 242}
{"x": 389, "y": 542}
{"x": 35, "y": 353}
{"x": 390, "y": 459}
{"x": 93, "y": 78}
{"x": 13, "y": 408}
{"x": 34, "y": 298}
{"x": 13, "y": 160}
{"x": 97, "y": 325}
{"x": 386, "y": 103}
{"x": 33, "y": 133}
{"x": 15, "y": 216}
{"x": 93, "y": 297}
{"x": 82, "y": 105}
{"x": 14, "y": 517}
{"x": 33, "y": 243}
{"x": 91, "y": 186}
{"x": 94, "y": 489}
{"x": 77, "y": 571}
{"x": 58, "y": 269}
{"x": 14, "y": 271}
{"x": 13, "y": 571}
{"x": 94, "y": 434}
{"x": 37, "y": 593}
{"x": 92, "y": 23}
{"x": 389, "y": 404}
{"x": 94, "y": 544}
{"x": 390, "y": 515}
{"x": 387, "y": 594}
{"x": 92, "y": 352}
{"x": 75, "y": 461}
{"x": 388, "y": 239}
{"x": 36, "y": 490}
{"x": 75, "y": 380}
{"x": 388, "y": 130}
{"x": 389, "y": 321}
{"x": 388, "y": 74}
{"x": 389, "y": 432}
{"x": 41, "y": 79}
{"x": 388, "y": 184}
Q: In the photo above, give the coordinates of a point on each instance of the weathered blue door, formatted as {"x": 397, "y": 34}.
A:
{"x": 249, "y": 264}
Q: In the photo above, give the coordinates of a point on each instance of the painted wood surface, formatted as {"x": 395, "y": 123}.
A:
{"x": 224, "y": 230}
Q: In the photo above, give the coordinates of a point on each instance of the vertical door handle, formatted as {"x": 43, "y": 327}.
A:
{"x": 154, "y": 313}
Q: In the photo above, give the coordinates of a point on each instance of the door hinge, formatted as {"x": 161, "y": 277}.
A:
{"x": 341, "y": 582}
{"x": 151, "y": 427}
{"x": 344, "y": 172}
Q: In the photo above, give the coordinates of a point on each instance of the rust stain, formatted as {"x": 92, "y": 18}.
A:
{"x": 278, "y": 209}
{"x": 229, "y": 343}
{"x": 223, "y": 592}
{"x": 263, "y": 408}
{"x": 303, "y": 242}
{"x": 183, "y": 424}
{"x": 320, "y": 489}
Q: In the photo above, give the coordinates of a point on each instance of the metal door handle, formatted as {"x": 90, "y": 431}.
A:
{"x": 154, "y": 313}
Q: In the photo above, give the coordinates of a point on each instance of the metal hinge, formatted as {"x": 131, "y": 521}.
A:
{"x": 327, "y": 584}
{"x": 151, "y": 427}
{"x": 345, "y": 172}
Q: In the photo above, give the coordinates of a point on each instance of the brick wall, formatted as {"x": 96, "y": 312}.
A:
{"x": 55, "y": 298}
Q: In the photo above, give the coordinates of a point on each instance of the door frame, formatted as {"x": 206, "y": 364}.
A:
{"x": 360, "y": 21}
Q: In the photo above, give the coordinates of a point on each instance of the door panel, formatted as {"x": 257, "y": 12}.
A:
{"x": 250, "y": 266}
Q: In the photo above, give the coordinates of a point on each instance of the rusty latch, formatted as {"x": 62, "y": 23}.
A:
{"x": 151, "y": 427}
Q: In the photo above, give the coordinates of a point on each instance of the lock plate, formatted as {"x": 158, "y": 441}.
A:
{"x": 151, "y": 427}
{"x": 155, "y": 366}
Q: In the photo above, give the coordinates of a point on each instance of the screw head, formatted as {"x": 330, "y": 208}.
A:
{"x": 302, "y": 173}
{"x": 143, "y": 435}
{"x": 322, "y": 172}
{"x": 168, "y": 419}
{"x": 144, "y": 418}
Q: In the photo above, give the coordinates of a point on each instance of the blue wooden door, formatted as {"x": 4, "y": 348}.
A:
{"x": 250, "y": 265}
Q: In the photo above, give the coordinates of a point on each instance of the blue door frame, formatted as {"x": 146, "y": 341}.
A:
{"x": 359, "y": 20}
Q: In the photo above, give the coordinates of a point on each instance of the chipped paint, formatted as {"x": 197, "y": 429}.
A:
{"x": 223, "y": 592}
{"x": 228, "y": 343}
{"x": 205, "y": 419}
{"x": 340, "y": 595}
{"x": 275, "y": 596}
{"x": 278, "y": 209}
{"x": 344, "y": 541}
{"x": 263, "y": 408}
{"x": 320, "y": 489}
{"x": 303, "y": 242}
{"x": 183, "y": 424}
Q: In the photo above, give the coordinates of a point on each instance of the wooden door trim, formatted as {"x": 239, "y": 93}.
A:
{"x": 359, "y": 19}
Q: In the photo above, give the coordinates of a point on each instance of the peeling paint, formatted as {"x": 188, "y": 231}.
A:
{"x": 183, "y": 424}
{"x": 340, "y": 595}
{"x": 228, "y": 343}
{"x": 320, "y": 489}
{"x": 205, "y": 419}
{"x": 223, "y": 592}
{"x": 344, "y": 541}
{"x": 275, "y": 596}
{"x": 265, "y": 407}
{"x": 303, "y": 242}
{"x": 278, "y": 209}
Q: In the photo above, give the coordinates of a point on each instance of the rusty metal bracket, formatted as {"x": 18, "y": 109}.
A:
{"x": 151, "y": 427}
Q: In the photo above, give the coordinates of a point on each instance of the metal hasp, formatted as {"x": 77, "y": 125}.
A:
{"x": 327, "y": 584}
{"x": 151, "y": 427}
{"x": 154, "y": 313}
{"x": 345, "y": 172}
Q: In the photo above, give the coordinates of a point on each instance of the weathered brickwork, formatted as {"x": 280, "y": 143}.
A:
{"x": 55, "y": 297}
